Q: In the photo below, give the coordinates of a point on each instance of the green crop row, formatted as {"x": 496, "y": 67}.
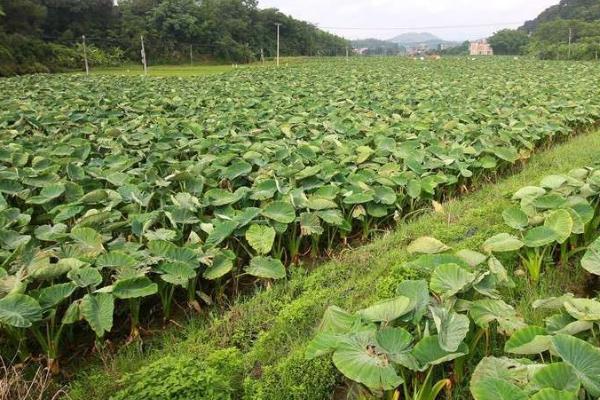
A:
{"x": 119, "y": 196}
{"x": 416, "y": 345}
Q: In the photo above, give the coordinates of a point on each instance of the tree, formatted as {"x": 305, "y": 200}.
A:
{"x": 509, "y": 41}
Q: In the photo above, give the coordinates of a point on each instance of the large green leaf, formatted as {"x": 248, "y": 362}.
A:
{"x": 558, "y": 376}
{"x": 386, "y": 310}
{"x": 502, "y": 242}
{"x": 221, "y": 265}
{"x": 427, "y": 245}
{"x": 484, "y": 312}
{"x": 497, "y": 389}
{"x": 450, "y": 279}
{"x": 266, "y": 267}
{"x": 528, "y": 340}
{"x": 222, "y": 230}
{"x": 358, "y": 362}
{"x": 591, "y": 259}
{"x": 176, "y": 273}
{"x": 561, "y": 223}
{"x": 89, "y": 239}
{"x": 98, "y": 309}
{"x": 540, "y": 236}
{"x": 280, "y": 211}
{"x": 452, "y": 327}
{"x": 553, "y": 394}
{"x": 134, "y": 288}
{"x": 428, "y": 352}
{"x": 19, "y": 310}
{"x": 261, "y": 238}
{"x": 583, "y": 357}
{"x": 515, "y": 218}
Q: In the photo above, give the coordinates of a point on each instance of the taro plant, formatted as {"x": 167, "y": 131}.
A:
{"x": 411, "y": 345}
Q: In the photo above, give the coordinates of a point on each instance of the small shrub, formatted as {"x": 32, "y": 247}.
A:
{"x": 294, "y": 378}
{"x": 185, "y": 378}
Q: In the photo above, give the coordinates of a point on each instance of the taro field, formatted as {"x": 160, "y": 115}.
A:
{"x": 126, "y": 201}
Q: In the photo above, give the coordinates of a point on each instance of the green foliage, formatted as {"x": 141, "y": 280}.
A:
{"x": 185, "y": 378}
{"x": 509, "y": 41}
{"x": 295, "y": 378}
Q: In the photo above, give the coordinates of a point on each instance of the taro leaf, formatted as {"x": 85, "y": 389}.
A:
{"x": 394, "y": 341}
{"x": 19, "y": 310}
{"x": 280, "y": 211}
{"x": 47, "y": 194}
{"x": 528, "y": 340}
{"x": 591, "y": 259}
{"x": 386, "y": 310}
{"x": 310, "y": 224}
{"x": 472, "y": 258}
{"x": 332, "y": 217}
{"x": 220, "y": 197}
{"x": 427, "y": 245}
{"x": 320, "y": 203}
{"x": 496, "y": 389}
{"x": 176, "y": 273}
{"x": 452, "y": 327}
{"x": 85, "y": 277}
{"x": 221, "y": 265}
{"x": 509, "y": 154}
{"x": 558, "y": 376}
{"x": 134, "y": 288}
{"x": 72, "y": 314}
{"x": 553, "y": 394}
{"x": 261, "y": 238}
{"x": 553, "y": 181}
{"x": 515, "y": 218}
{"x": 97, "y": 309}
{"x": 160, "y": 234}
{"x": 10, "y": 187}
{"x": 89, "y": 239}
{"x": 540, "y": 236}
{"x": 502, "y": 242}
{"x": 385, "y": 195}
{"x": 116, "y": 259}
{"x": 11, "y": 240}
{"x": 169, "y": 251}
{"x": 564, "y": 323}
{"x": 413, "y": 189}
{"x": 561, "y": 223}
{"x": 337, "y": 320}
{"x": 499, "y": 272}
{"x": 50, "y": 233}
{"x": 507, "y": 369}
{"x": 483, "y": 312}
{"x": 323, "y": 343}
{"x": 552, "y": 303}
{"x": 428, "y": 352}
{"x": 450, "y": 279}
{"x": 41, "y": 268}
{"x": 50, "y": 296}
{"x": 359, "y": 198}
{"x": 264, "y": 190}
{"x": 417, "y": 292}
{"x": 583, "y": 357}
{"x": 356, "y": 359}
{"x": 236, "y": 169}
{"x": 222, "y": 230}
{"x": 583, "y": 309}
{"x": 550, "y": 201}
{"x": 266, "y": 267}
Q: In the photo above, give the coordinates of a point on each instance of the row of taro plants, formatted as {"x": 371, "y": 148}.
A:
{"x": 417, "y": 345}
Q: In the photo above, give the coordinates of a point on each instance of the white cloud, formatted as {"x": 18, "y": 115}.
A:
{"x": 449, "y": 19}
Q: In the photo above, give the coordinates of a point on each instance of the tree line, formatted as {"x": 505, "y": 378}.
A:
{"x": 45, "y": 35}
{"x": 568, "y": 30}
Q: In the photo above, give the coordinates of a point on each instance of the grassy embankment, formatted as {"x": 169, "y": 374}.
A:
{"x": 272, "y": 327}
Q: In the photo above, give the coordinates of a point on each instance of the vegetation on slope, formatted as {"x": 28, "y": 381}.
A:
{"x": 272, "y": 328}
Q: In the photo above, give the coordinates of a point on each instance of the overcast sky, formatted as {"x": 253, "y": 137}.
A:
{"x": 448, "y": 19}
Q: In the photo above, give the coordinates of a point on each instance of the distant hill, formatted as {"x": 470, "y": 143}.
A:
{"x": 420, "y": 40}
{"x": 377, "y": 47}
{"x": 586, "y": 10}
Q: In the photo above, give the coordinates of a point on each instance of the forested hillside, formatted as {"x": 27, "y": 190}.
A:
{"x": 45, "y": 35}
{"x": 568, "y": 30}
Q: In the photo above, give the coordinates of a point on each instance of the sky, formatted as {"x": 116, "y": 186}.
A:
{"x": 448, "y": 19}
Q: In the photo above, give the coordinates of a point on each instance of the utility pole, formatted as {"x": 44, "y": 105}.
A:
{"x": 87, "y": 67}
{"x": 347, "y": 55}
{"x": 570, "y": 38}
{"x": 191, "y": 56}
{"x": 143, "y": 52}
{"x": 262, "y": 56}
{"x": 278, "y": 25}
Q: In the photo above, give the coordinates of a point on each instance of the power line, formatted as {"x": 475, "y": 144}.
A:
{"x": 420, "y": 27}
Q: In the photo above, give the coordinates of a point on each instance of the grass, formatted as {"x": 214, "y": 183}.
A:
{"x": 272, "y": 326}
{"x": 184, "y": 70}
